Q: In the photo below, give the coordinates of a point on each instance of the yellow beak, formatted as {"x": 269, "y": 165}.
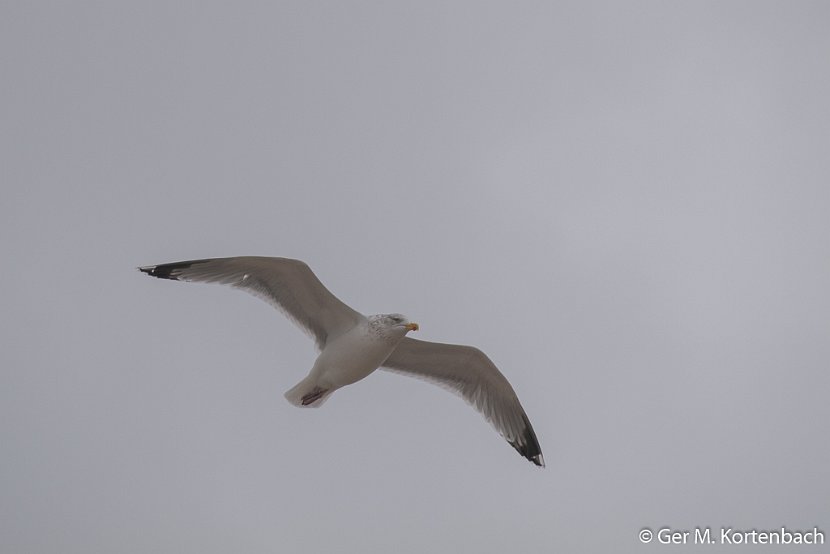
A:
{"x": 412, "y": 327}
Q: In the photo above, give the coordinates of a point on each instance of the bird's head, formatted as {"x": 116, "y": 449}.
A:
{"x": 395, "y": 323}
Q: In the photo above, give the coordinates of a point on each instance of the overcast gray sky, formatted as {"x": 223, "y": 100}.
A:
{"x": 624, "y": 204}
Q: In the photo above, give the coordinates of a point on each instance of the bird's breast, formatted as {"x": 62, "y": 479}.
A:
{"x": 352, "y": 356}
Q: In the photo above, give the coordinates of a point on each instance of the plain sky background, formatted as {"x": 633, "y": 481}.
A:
{"x": 625, "y": 204}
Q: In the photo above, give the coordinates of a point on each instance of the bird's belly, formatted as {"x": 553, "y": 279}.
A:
{"x": 350, "y": 359}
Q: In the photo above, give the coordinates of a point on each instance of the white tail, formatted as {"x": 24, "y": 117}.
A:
{"x": 307, "y": 394}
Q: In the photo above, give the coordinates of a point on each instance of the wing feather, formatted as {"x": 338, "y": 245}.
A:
{"x": 469, "y": 373}
{"x": 287, "y": 284}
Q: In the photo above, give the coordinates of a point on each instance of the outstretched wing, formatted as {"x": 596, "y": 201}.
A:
{"x": 289, "y": 285}
{"x": 469, "y": 373}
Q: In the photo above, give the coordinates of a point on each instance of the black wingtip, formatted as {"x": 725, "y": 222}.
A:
{"x": 528, "y": 446}
{"x": 171, "y": 270}
{"x": 159, "y": 271}
{"x": 167, "y": 271}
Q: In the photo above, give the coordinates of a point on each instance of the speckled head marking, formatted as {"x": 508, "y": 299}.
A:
{"x": 391, "y": 326}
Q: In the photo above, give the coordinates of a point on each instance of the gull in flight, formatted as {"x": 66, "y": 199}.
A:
{"x": 352, "y": 345}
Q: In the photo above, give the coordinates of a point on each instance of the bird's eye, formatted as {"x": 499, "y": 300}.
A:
{"x": 397, "y": 319}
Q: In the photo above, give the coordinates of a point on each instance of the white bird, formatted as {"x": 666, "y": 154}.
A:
{"x": 352, "y": 345}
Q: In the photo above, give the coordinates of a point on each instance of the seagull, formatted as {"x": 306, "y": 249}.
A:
{"x": 352, "y": 345}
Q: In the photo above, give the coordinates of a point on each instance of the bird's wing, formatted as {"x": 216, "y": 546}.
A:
{"x": 289, "y": 285}
{"x": 469, "y": 373}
